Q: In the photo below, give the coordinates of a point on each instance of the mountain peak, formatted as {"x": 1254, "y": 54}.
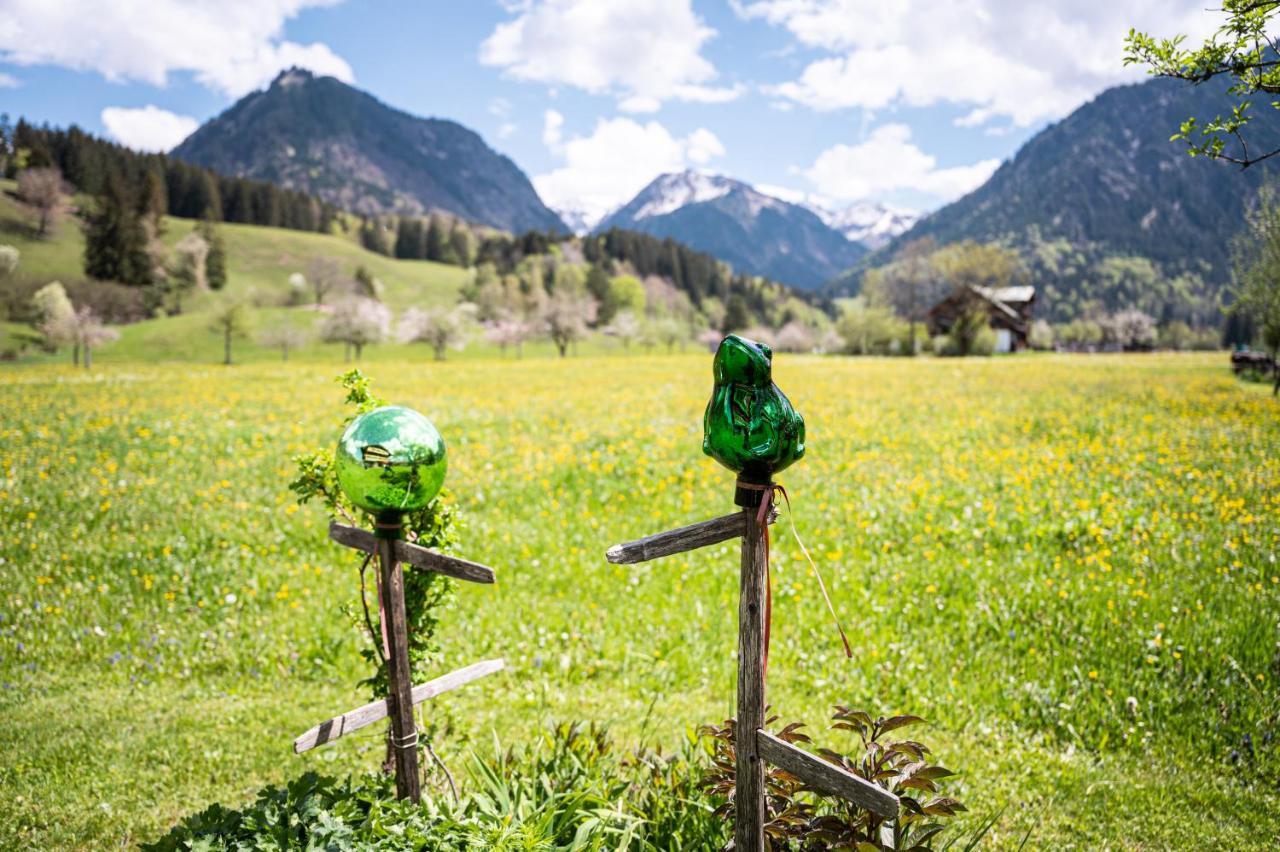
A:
{"x": 322, "y": 136}
{"x": 732, "y": 220}
{"x": 669, "y": 192}
{"x": 293, "y": 76}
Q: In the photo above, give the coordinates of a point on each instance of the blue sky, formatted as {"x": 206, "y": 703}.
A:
{"x": 910, "y": 102}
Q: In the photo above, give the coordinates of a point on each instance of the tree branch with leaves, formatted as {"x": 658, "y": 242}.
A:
{"x": 1243, "y": 50}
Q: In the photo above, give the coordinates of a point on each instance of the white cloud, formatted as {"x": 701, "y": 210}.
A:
{"x": 702, "y": 145}
{"x": 8, "y": 81}
{"x": 148, "y": 128}
{"x": 507, "y": 129}
{"x": 604, "y": 170}
{"x": 1024, "y": 61}
{"x": 231, "y": 46}
{"x": 796, "y": 196}
{"x": 641, "y": 51}
{"x": 552, "y": 128}
{"x": 889, "y": 160}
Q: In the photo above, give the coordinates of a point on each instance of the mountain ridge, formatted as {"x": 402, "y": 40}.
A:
{"x": 319, "y": 135}
{"x": 732, "y": 220}
{"x": 1106, "y": 211}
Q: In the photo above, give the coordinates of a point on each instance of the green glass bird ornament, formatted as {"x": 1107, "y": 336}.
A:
{"x": 390, "y": 461}
{"x": 750, "y": 426}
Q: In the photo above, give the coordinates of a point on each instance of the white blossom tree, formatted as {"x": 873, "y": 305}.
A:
{"x": 441, "y": 328}
{"x": 91, "y": 333}
{"x": 507, "y": 331}
{"x": 286, "y": 338}
{"x": 624, "y": 327}
{"x": 565, "y": 316}
{"x": 9, "y": 258}
{"x": 356, "y": 322}
{"x": 42, "y": 189}
{"x": 795, "y": 336}
{"x": 1130, "y": 329}
{"x": 56, "y": 319}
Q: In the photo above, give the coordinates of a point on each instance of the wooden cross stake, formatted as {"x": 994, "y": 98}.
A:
{"x": 754, "y": 745}
{"x": 402, "y": 694}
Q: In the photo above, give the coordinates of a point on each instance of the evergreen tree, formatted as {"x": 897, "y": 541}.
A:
{"x": 215, "y": 261}
{"x": 462, "y": 244}
{"x": 205, "y": 201}
{"x": 436, "y": 244}
{"x": 406, "y": 239}
{"x": 115, "y": 239}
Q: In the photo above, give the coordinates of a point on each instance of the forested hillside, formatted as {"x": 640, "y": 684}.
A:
{"x": 319, "y": 135}
{"x": 1106, "y": 213}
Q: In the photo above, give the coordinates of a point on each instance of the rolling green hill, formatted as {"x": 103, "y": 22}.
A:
{"x": 260, "y": 261}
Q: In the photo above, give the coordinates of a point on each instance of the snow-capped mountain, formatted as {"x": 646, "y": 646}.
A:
{"x": 755, "y": 232}
{"x": 868, "y": 222}
{"x": 577, "y": 219}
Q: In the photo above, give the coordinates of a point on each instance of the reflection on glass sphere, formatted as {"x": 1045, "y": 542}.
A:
{"x": 391, "y": 459}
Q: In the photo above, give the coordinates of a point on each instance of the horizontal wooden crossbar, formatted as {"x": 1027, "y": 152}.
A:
{"x": 450, "y": 566}
{"x": 362, "y": 717}
{"x": 681, "y": 540}
{"x": 826, "y": 777}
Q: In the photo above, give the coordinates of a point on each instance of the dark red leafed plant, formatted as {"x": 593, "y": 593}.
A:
{"x": 798, "y": 820}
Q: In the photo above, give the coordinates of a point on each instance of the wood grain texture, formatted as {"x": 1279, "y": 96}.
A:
{"x": 680, "y": 540}
{"x": 375, "y": 711}
{"x": 404, "y": 736}
{"x": 450, "y": 566}
{"x": 826, "y": 777}
{"x": 748, "y": 829}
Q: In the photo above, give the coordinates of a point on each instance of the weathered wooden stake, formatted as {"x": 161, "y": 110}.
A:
{"x": 404, "y": 734}
{"x": 753, "y": 745}
{"x": 748, "y": 829}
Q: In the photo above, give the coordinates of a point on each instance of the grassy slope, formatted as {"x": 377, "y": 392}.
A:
{"x": 1017, "y": 546}
{"x": 260, "y": 261}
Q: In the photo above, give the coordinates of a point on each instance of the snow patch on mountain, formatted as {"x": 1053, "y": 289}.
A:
{"x": 579, "y": 220}
{"x": 869, "y": 222}
{"x": 670, "y": 192}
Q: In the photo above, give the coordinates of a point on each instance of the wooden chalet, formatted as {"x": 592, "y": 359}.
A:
{"x": 1008, "y": 311}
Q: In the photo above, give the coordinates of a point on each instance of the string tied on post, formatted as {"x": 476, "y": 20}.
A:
{"x": 767, "y": 502}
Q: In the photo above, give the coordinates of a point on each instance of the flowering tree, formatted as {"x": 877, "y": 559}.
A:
{"x": 285, "y": 338}
{"x": 1130, "y": 330}
{"x": 9, "y": 257}
{"x": 624, "y": 327}
{"x": 441, "y": 327}
{"x": 91, "y": 333}
{"x": 795, "y": 336}
{"x": 356, "y": 322}
{"x": 42, "y": 189}
{"x": 507, "y": 331}
{"x": 57, "y": 319}
{"x": 565, "y": 317}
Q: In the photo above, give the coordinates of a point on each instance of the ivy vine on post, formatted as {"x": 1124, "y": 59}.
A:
{"x": 404, "y": 551}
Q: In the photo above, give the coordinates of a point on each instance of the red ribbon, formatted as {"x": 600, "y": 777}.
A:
{"x": 762, "y": 515}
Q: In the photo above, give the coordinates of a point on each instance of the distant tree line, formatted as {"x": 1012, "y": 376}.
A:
{"x": 91, "y": 165}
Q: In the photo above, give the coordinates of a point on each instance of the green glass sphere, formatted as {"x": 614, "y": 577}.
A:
{"x": 391, "y": 460}
{"x": 750, "y": 426}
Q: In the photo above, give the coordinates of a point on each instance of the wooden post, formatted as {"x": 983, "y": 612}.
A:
{"x": 404, "y": 734}
{"x": 753, "y": 745}
{"x": 748, "y": 829}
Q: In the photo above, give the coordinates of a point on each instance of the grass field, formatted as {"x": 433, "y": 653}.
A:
{"x": 260, "y": 261}
{"x": 1067, "y": 564}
